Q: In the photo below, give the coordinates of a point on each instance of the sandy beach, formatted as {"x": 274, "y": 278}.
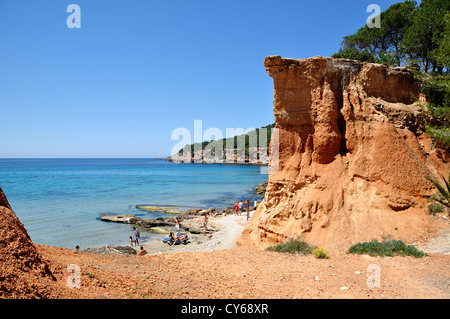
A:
{"x": 223, "y": 233}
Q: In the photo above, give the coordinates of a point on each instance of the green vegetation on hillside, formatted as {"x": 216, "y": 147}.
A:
{"x": 437, "y": 92}
{"x": 236, "y": 140}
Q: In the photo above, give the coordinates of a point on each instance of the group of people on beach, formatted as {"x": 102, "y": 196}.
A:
{"x": 135, "y": 240}
{"x": 179, "y": 236}
{"x": 239, "y": 206}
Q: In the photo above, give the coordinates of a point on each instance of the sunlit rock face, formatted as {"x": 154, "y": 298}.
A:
{"x": 352, "y": 155}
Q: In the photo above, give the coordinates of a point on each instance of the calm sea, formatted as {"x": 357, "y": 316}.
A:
{"x": 60, "y": 201}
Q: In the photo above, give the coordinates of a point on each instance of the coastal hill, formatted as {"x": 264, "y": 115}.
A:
{"x": 353, "y": 156}
{"x": 237, "y": 149}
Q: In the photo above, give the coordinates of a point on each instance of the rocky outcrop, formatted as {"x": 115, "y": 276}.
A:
{"x": 3, "y": 201}
{"x": 352, "y": 155}
{"x": 111, "y": 250}
{"x": 159, "y": 224}
{"x": 23, "y": 271}
{"x": 154, "y": 208}
{"x": 261, "y": 188}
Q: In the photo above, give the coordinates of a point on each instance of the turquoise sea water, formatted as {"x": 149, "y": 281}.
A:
{"x": 60, "y": 201}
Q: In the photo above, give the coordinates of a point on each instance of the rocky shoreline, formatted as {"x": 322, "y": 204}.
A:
{"x": 222, "y": 231}
{"x": 191, "y": 224}
{"x": 189, "y": 220}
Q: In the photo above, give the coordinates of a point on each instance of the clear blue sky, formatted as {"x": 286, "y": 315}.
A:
{"x": 138, "y": 69}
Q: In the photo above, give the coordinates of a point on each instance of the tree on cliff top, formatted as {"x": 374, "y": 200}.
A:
{"x": 423, "y": 39}
{"x": 443, "y": 52}
{"x": 408, "y": 34}
{"x": 382, "y": 44}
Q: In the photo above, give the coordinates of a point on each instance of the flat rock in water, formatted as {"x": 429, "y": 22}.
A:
{"x": 125, "y": 218}
{"x": 122, "y": 250}
{"x": 155, "y": 208}
{"x": 155, "y": 222}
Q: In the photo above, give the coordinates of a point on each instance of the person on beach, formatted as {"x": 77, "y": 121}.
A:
{"x": 241, "y": 206}
{"x": 131, "y": 241}
{"x": 142, "y": 252}
{"x": 171, "y": 237}
{"x": 236, "y": 208}
{"x": 256, "y": 203}
{"x": 177, "y": 224}
{"x": 137, "y": 235}
{"x": 205, "y": 221}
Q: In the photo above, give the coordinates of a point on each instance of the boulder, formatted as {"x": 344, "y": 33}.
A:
{"x": 124, "y": 218}
{"x": 155, "y": 208}
{"x": 194, "y": 211}
{"x": 155, "y": 222}
{"x": 121, "y": 250}
{"x": 261, "y": 188}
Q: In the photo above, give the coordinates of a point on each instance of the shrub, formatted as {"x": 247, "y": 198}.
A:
{"x": 355, "y": 54}
{"x": 293, "y": 247}
{"x": 440, "y": 134}
{"x": 320, "y": 252}
{"x": 435, "y": 208}
{"x": 385, "y": 248}
{"x": 442, "y": 198}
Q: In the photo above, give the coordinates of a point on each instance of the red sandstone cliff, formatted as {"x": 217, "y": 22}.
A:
{"x": 352, "y": 156}
{"x": 23, "y": 272}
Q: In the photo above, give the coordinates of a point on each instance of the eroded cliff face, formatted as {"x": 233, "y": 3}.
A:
{"x": 23, "y": 271}
{"x": 352, "y": 156}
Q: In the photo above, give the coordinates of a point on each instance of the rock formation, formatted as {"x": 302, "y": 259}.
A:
{"x": 352, "y": 155}
{"x": 111, "y": 250}
{"x": 23, "y": 272}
